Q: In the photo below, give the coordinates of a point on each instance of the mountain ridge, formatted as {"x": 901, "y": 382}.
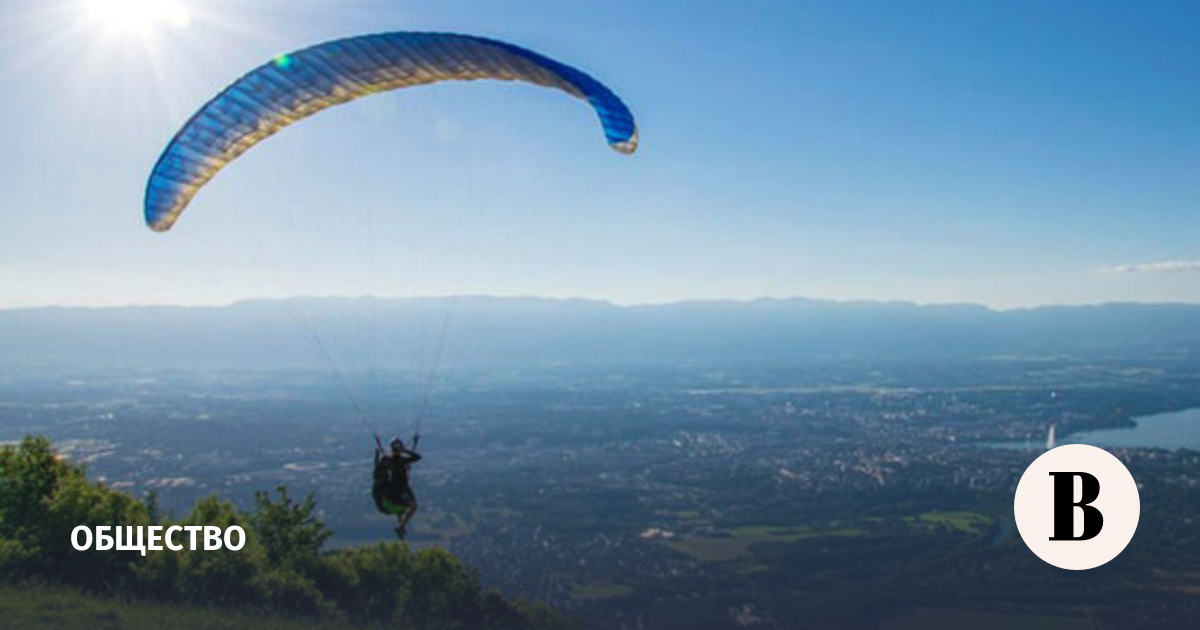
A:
{"x": 530, "y": 330}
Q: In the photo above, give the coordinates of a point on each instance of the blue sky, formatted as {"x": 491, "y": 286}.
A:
{"x": 1010, "y": 154}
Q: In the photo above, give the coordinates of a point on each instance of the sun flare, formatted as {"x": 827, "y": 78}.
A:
{"x": 137, "y": 16}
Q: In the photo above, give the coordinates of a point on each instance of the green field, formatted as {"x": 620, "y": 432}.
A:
{"x": 964, "y": 521}
{"x": 923, "y": 618}
{"x": 735, "y": 543}
{"x": 62, "y": 608}
{"x": 601, "y": 590}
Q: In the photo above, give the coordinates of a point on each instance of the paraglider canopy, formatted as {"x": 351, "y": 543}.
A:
{"x": 299, "y": 84}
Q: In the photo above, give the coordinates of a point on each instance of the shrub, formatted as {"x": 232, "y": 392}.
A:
{"x": 281, "y": 569}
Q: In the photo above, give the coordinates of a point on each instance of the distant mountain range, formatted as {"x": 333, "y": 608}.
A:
{"x": 521, "y": 331}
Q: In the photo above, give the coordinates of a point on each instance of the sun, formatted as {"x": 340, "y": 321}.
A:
{"x": 137, "y": 16}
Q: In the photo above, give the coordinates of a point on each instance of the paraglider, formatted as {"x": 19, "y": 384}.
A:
{"x": 299, "y": 84}
{"x": 296, "y": 85}
{"x": 390, "y": 486}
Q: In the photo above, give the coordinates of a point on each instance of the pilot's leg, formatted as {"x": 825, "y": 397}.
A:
{"x": 412, "y": 510}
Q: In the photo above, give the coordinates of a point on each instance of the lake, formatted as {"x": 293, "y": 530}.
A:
{"x": 1171, "y": 430}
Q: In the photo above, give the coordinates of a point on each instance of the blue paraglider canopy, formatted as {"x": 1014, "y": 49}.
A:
{"x": 299, "y": 84}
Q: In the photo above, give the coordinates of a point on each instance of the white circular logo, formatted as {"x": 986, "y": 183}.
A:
{"x": 1077, "y": 506}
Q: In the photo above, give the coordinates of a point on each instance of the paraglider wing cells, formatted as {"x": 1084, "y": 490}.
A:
{"x": 299, "y": 84}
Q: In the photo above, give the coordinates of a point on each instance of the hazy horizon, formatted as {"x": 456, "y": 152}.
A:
{"x": 583, "y": 298}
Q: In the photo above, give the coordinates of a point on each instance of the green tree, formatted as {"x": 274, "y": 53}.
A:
{"x": 42, "y": 499}
{"x": 290, "y": 534}
{"x": 225, "y": 576}
{"x": 372, "y": 584}
{"x": 281, "y": 568}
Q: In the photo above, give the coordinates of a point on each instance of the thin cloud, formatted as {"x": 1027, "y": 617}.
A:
{"x": 1166, "y": 266}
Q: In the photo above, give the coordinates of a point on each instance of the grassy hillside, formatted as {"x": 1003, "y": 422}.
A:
{"x": 282, "y": 572}
{"x": 68, "y": 609}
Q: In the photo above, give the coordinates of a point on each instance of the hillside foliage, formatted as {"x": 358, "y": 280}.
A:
{"x": 283, "y": 568}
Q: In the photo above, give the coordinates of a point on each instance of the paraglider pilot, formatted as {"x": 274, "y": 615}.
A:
{"x": 391, "y": 490}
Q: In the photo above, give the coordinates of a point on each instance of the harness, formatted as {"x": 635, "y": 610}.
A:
{"x": 390, "y": 484}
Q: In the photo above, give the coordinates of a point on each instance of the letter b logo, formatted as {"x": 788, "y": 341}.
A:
{"x": 1076, "y": 506}
{"x": 1064, "y": 506}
